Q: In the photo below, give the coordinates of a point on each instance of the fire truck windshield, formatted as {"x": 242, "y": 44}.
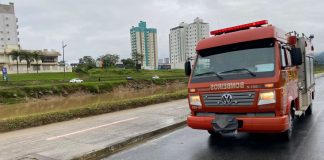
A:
{"x": 238, "y": 61}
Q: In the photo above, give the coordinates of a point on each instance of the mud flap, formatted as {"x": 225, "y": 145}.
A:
{"x": 225, "y": 124}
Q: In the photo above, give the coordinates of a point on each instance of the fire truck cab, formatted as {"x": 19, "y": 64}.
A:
{"x": 251, "y": 78}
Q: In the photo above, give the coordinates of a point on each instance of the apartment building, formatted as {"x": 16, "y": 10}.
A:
{"x": 183, "y": 40}
{"x": 144, "y": 42}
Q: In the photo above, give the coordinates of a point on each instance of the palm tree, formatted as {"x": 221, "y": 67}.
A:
{"x": 15, "y": 54}
{"x": 37, "y": 55}
{"x": 28, "y": 57}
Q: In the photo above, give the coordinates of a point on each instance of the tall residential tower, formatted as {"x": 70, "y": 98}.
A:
{"x": 144, "y": 42}
{"x": 8, "y": 28}
{"x": 183, "y": 40}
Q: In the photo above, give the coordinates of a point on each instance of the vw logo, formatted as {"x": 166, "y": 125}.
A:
{"x": 227, "y": 98}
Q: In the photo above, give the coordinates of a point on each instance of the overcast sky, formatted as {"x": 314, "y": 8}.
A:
{"x": 96, "y": 27}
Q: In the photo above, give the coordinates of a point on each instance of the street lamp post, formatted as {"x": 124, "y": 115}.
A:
{"x": 63, "y": 46}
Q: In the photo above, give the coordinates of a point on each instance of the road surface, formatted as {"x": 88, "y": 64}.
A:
{"x": 189, "y": 144}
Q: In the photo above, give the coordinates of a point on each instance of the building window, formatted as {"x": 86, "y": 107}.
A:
{"x": 8, "y": 39}
{"x": 48, "y": 59}
{"x": 7, "y": 25}
{"x": 7, "y": 18}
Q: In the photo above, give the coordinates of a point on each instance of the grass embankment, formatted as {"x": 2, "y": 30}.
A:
{"x": 24, "y": 86}
{"x": 89, "y": 110}
{"x": 18, "y": 94}
{"x": 319, "y": 69}
{"x": 92, "y": 75}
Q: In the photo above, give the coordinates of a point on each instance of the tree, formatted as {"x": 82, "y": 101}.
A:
{"x": 110, "y": 60}
{"x": 128, "y": 63}
{"x": 37, "y": 55}
{"x": 87, "y": 62}
{"x": 15, "y": 55}
{"x": 138, "y": 59}
{"x": 28, "y": 57}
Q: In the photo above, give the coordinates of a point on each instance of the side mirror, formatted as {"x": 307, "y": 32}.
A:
{"x": 188, "y": 68}
{"x": 296, "y": 56}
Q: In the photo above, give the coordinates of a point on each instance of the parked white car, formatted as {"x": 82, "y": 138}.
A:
{"x": 76, "y": 80}
{"x": 155, "y": 77}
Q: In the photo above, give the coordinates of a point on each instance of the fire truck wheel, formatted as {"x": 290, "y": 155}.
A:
{"x": 214, "y": 134}
{"x": 288, "y": 134}
{"x": 309, "y": 110}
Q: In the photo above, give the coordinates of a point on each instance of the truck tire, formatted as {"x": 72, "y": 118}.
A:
{"x": 287, "y": 135}
{"x": 309, "y": 110}
{"x": 214, "y": 134}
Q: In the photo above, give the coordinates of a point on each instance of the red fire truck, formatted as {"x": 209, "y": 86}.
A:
{"x": 251, "y": 78}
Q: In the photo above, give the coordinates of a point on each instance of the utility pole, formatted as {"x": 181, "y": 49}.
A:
{"x": 63, "y": 46}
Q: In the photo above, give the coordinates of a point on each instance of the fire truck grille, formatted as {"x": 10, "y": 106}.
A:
{"x": 229, "y": 99}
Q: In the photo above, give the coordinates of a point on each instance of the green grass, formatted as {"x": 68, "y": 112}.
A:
{"x": 91, "y": 76}
{"x": 41, "y": 76}
{"x": 17, "y": 94}
{"x": 20, "y": 86}
{"x": 319, "y": 69}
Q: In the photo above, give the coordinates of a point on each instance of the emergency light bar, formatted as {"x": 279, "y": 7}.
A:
{"x": 239, "y": 27}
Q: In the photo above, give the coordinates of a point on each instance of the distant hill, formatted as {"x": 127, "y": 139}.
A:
{"x": 319, "y": 58}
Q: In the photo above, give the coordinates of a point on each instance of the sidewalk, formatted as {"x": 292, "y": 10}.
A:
{"x": 75, "y": 138}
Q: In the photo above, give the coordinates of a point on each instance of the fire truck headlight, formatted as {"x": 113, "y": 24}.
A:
{"x": 267, "y": 97}
{"x": 195, "y": 100}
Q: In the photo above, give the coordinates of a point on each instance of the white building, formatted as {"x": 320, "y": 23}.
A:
{"x": 183, "y": 40}
{"x": 8, "y": 28}
{"x": 48, "y": 62}
{"x": 9, "y": 41}
{"x": 144, "y": 42}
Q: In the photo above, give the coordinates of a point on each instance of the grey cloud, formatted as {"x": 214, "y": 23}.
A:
{"x": 96, "y": 27}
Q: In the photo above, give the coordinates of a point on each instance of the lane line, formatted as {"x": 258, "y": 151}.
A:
{"x": 182, "y": 107}
{"x": 89, "y": 129}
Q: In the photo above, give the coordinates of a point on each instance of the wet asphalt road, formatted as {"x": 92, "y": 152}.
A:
{"x": 189, "y": 144}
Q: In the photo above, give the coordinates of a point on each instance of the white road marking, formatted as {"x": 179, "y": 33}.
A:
{"x": 89, "y": 129}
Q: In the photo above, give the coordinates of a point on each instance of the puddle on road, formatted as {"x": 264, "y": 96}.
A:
{"x": 79, "y": 100}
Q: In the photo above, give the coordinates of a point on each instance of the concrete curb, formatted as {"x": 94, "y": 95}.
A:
{"x": 113, "y": 148}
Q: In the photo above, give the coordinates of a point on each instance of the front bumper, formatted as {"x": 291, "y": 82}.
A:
{"x": 247, "y": 124}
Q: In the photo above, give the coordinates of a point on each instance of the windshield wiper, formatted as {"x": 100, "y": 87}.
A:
{"x": 239, "y": 69}
{"x": 211, "y": 72}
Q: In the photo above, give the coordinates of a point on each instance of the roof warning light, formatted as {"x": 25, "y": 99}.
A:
{"x": 239, "y": 27}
